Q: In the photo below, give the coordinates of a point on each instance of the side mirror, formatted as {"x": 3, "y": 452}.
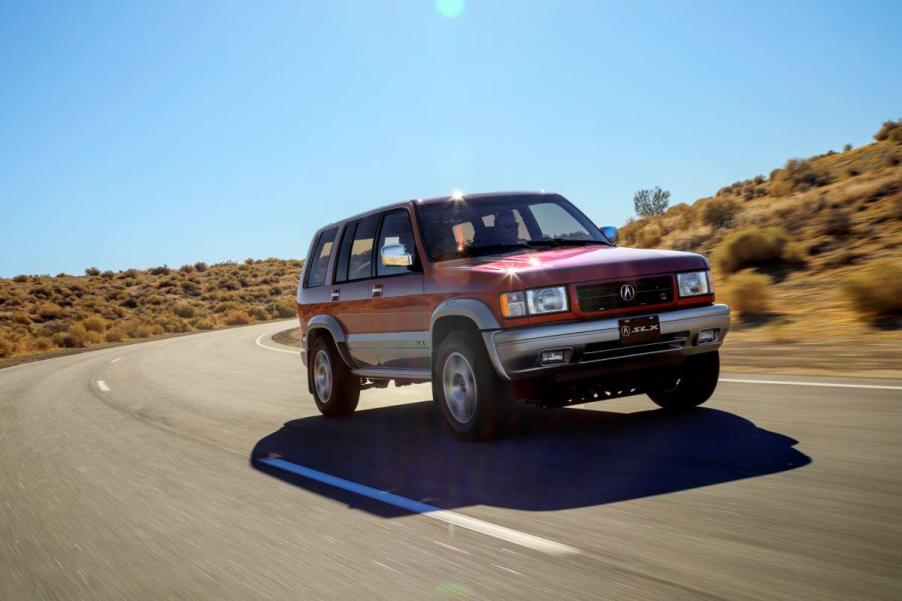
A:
{"x": 610, "y": 232}
{"x": 396, "y": 255}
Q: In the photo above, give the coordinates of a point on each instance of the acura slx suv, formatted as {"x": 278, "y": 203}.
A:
{"x": 498, "y": 299}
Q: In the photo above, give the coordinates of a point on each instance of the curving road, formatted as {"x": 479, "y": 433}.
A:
{"x": 198, "y": 468}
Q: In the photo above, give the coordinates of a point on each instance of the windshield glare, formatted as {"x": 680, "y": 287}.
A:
{"x": 459, "y": 228}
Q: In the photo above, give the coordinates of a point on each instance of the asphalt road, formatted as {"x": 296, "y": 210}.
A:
{"x": 198, "y": 468}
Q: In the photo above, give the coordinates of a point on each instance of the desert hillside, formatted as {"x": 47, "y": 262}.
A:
{"x": 809, "y": 252}
{"x": 41, "y": 314}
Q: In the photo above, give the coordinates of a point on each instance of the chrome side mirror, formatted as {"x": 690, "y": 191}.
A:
{"x": 396, "y": 255}
{"x": 610, "y": 232}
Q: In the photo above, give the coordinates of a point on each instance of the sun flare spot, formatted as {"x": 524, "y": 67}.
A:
{"x": 449, "y": 8}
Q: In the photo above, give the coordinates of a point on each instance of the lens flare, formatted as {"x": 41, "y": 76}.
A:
{"x": 449, "y": 8}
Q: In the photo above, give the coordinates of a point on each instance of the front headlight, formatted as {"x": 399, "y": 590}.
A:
{"x": 537, "y": 301}
{"x": 694, "y": 283}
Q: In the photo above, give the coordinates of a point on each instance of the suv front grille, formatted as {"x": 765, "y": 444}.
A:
{"x": 606, "y": 296}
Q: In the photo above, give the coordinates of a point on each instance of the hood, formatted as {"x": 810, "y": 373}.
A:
{"x": 581, "y": 264}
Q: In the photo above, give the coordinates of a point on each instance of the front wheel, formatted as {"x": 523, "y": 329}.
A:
{"x": 693, "y": 384}
{"x": 336, "y": 390}
{"x": 475, "y": 402}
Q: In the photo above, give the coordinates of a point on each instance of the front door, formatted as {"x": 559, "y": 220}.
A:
{"x": 400, "y": 320}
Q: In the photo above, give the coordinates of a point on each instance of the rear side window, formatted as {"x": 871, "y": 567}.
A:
{"x": 360, "y": 256}
{"x": 320, "y": 261}
{"x": 344, "y": 253}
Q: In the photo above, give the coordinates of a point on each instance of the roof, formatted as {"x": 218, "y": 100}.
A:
{"x": 433, "y": 200}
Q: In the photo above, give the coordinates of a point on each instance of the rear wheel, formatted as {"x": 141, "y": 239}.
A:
{"x": 475, "y": 401}
{"x": 693, "y": 385}
{"x": 336, "y": 390}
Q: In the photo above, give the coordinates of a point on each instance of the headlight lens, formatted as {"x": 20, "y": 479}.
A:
{"x": 534, "y": 302}
{"x": 694, "y": 283}
{"x": 546, "y": 300}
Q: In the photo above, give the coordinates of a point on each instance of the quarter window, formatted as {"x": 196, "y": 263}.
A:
{"x": 321, "y": 256}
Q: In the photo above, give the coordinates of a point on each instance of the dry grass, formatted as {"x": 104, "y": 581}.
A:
{"x": 827, "y": 232}
{"x": 41, "y": 314}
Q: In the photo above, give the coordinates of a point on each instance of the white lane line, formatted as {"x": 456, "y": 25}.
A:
{"x": 102, "y": 386}
{"x": 272, "y": 348}
{"x": 430, "y": 511}
{"x": 116, "y": 360}
{"x": 826, "y": 384}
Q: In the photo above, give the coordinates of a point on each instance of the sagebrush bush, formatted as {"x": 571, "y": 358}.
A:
{"x": 48, "y": 311}
{"x": 719, "y": 212}
{"x": 891, "y": 130}
{"x": 92, "y": 271}
{"x": 836, "y": 222}
{"x": 797, "y": 175}
{"x": 114, "y": 335}
{"x": 20, "y": 278}
{"x": 748, "y": 293}
{"x": 6, "y": 347}
{"x": 236, "y": 317}
{"x": 95, "y": 323}
{"x": 184, "y": 310}
{"x": 876, "y": 290}
{"x": 755, "y": 247}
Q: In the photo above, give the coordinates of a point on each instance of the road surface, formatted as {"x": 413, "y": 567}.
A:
{"x": 198, "y": 468}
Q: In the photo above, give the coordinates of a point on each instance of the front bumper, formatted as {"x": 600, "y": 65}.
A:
{"x": 515, "y": 353}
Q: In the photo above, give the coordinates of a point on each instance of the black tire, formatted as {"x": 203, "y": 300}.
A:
{"x": 342, "y": 389}
{"x": 492, "y": 403}
{"x": 694, "y": 384}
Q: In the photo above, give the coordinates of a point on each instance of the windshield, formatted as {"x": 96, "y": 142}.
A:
{"x": 459, "y": 228}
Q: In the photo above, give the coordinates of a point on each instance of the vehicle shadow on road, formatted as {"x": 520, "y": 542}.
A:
{"x": 552, "y": 460}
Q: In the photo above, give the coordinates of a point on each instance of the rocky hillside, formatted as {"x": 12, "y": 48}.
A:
{"x": 42, "y": 314}
{"x": 811, "y": 250}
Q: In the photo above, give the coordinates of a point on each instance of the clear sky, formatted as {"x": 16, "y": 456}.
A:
{"x": 140, "y": 133}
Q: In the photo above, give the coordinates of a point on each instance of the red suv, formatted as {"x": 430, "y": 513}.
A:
{"x": 498, "y": 298}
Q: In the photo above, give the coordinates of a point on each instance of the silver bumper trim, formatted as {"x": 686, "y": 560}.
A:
{"x": 514, "y": 352}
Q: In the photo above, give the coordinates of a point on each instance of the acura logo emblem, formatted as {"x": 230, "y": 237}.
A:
{"x": 627, "y": 292}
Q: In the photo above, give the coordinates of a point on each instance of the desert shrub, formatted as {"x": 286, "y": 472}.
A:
{"x": 184, "y": 310}
{"x": 797, "y": 175}
{"x": 649, "y": 236}
{"x": 161, "y": 270}
{"x": 200, "y": 266}
{"x": 154, "y": 299}
{"x": 836, "y": 222}
{"x": 285, "y": 308}
{"x": 891, "y": 160}
{"x": 748, "y": 293}
{"x": 92, "y": 271}
{"x": 191, "y": 287}
{"x": 48, "y": 311}
{"x": 891, "y": 130}
{"x": 187, "y": 268}
{"x": 74, "y": 337}
{"x": 236, "y": 317}
{"x": 259, "y": 313}
{"x": 20, "y": 318}
{"x": 626, "y": 235}
{"x": 20, "y": 278}
{"x": 130, "y": 302}
{"x": 7, "y": 347}
{"x": 719, "y": 212}
{"x": 753, "y": 247}
{"x": 847, "y": 148}
{"x": 876, "y": 290}
{"x": 275, "y": 291}
{"x": 107, "y": 275}
{"x": 204, "y": 324}
{"x": 114, "y": 335}
{"x": 95, "y": 323}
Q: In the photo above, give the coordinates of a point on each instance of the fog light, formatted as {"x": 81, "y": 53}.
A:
{"x": 706, "y": 336}
{"x": 549, "y": 357}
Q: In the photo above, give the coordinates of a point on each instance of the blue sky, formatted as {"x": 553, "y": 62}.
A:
{"x": 136, "y": 134}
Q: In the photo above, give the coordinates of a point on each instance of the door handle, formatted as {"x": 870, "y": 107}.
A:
{"x": 335, "y": 294}
{"x": 377, "y": 290}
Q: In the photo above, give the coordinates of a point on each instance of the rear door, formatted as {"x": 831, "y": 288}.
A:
{"x": 400, "y": 320}
{"x": 352, "y": 289}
